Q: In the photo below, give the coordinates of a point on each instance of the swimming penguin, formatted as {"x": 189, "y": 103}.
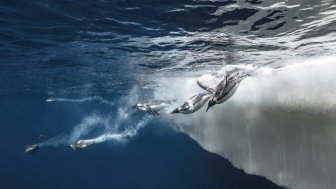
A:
{"x": 50, "y": 99}
{"x": 154, "y": 106}
{"x": 193, "y": 104}
{"x": 81, "y": 144}
{"x": 31, "y": 149}
{"x": 227, "y": 87}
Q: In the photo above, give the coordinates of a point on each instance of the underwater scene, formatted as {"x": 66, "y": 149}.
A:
{"x": 215, "y": 94}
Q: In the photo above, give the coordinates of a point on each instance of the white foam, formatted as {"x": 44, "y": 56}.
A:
{"x": 279, "y": 124}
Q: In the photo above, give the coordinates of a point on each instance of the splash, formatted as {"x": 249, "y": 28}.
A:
{"x": 82, "y": 100}
{"x": 279, "y": 124}
{"x": 119, "y": 127}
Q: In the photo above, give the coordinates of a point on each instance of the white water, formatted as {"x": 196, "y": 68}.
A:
{"x": 280, "y": 123}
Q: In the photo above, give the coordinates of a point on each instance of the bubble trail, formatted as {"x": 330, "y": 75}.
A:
{"x": 82, "y": 100}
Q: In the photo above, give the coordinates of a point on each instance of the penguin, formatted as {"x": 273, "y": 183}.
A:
{"x": 193, "y": 104}
{"x": 227, "y": 87}
{"x": 31, "y": 149}
{"x": 154, "y": 106}
{"x": 81, "y": 144}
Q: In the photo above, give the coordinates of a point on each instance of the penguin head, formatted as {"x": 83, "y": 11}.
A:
{"x": 211, "y": 103}
{"x": 177, "y": 110}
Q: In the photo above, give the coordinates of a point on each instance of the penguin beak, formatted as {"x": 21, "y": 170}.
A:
{"x": 175, "y": 111}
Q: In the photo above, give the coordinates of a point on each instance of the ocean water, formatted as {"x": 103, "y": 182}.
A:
{"x": 70, "y": 70}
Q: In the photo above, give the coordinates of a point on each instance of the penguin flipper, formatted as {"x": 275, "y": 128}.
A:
{"x": 205, "y": 87}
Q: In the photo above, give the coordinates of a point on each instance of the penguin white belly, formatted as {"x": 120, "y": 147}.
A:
{"x": 198, "y": 105}
{"x": 159, "y": 107}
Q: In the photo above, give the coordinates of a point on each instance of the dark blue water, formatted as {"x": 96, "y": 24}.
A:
{"x": 157, "y": 158}
{"x": 81, "y": 49}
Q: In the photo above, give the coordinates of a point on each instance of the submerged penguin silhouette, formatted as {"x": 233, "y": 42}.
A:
{"x": 31, "y": 149}
{"x": 50, "y": 99}
{"x": 81, "y": 144}
{"x": 154, "y": 106}
{"x": 193, "y": 104}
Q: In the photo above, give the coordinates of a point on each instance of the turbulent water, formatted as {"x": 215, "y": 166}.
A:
{"x": 280, "y": 123}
